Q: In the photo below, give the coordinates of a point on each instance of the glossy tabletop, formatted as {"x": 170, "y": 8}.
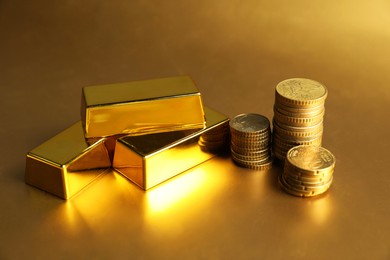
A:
{"x": 236, "y": 52}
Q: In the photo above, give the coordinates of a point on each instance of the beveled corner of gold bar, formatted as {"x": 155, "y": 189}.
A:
{"x": 140, "y": 107}
{"x": 149, "y": 160}
{"x": 66, "y": 163}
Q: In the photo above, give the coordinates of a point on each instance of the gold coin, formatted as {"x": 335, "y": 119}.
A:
{"x": 289, "y": 143}
{"x": 307, "y": 178}
{"x": 314, "y": 173}
{"x": 279, "y": 151}
{"x": 249, "y": 149}
{"x": 293, "y": 181}
{"x": 254, "y": 157}
{"x": 212, "y": 144}
{"x": 249, "y": 136}
{"x": 299, "y": 192}
{"x": 250, "y": 139}
{"x": 248, "y": 152}
{"x": 310, "y": 189}
{"x": 311, "y": 158}
{"x": 279, "y": 155}
{"x": 215, "y": 136}
{"x": 214, "y": 140}
{"x": 297, "y": 140}
{"x": 265, "y": 165}
{"x": 247, "y": 143}
{"x": 299, "y": 112}
{"x": 300, "y": 92}
{"x": 297, "y": 120}
{"x": 300, "y": 132}
{"x": 249, "y": 124}
{"x": 291, "y": 192}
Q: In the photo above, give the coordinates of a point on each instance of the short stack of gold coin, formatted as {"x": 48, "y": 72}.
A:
{"x": 215, "y": 140}
{"x": 308, "y": 171}
{"x": 250, "y": 141}
{"x": 298, "y": 115}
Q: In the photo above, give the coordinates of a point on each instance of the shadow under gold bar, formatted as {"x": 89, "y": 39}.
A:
{"x": 140, "y": 107}
{"x": 149, "y": 160}
{"x": 66, "y": 163}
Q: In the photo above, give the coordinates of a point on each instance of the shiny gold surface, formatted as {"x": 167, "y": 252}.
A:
{"x": 302, "y": 92}
{"x": 148, "y": 106}
{"x": 148, "y": 160}
{"x": 65, "y": 164}
{"x": 308, "y": 171}
{"x": 236, "y": 52}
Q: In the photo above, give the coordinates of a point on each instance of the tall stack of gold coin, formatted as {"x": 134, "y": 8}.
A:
{"x": 298, "y": 115}
{"x": 250, "y": 141}
{"x": 308, "y": 171}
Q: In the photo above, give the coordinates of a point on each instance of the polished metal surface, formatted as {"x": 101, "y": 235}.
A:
{"x": 66, "y": 163}
{"x": 236, "y": 52}
{"x": 148, "y": 160}
{"x": 139, "y": 107}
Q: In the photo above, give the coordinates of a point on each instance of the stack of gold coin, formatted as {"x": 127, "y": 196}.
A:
{"x": 308, "y": 171}
{"x": 298, "y": 115}
{"x": 250, "y": 141}
{"x": 216, "y": 139}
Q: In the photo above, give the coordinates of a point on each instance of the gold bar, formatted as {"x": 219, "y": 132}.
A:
{"x": 148, "y": 160}
{"x": 140, "y": 107}
{"x": 109, "y": 142}
{"x": 66, "y": 163}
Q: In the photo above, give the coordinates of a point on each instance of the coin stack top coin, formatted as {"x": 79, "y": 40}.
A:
{"x": 308, "y": 171}
{"x": 298, "y": 115}
{"x": 250, "y": 141}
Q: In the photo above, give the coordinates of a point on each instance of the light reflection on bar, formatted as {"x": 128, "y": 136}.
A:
{"x": 157, "y": 105}
{"x": 149, "y": 160}
{"x": 66, "y": 163}
{"x": 174, "y": 191}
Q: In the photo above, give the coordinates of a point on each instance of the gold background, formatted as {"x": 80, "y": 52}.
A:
{"x": 236, "y": 51}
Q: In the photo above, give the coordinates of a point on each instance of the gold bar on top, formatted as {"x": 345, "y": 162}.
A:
{"x": 66, "y": 163}
{"x": 148, "y": 160}
{"x": 140, "y": 107}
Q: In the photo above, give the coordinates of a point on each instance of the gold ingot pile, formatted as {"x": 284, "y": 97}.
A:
{"x": 298, "y": 115}
{"x": 250, "y": 141}
{"x": 308, "y": 171}
{"x": 149, "y": 131}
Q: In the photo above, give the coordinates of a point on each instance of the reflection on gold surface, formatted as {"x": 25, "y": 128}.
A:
{"x": 177, "y": 190}
{"x": 65, "y": 164}
{"x": 149, "y": 106}
{"x": 319, "y": 209}
{"x": 148, "y": 160}
{"x": 109, "y": 142}
{"x": 188, "y": 193}
{"x": 185, "y": 196}
{"x": 89, "y": 208}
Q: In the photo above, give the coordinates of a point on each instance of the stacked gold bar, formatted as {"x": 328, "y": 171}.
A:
{"x": 148, "y": 130}
{"x": 298, "y": 115}
{"x": 148, "y": 160}
{"x": 66, "y": 163}
{"x": 250, "y": 141}
{"x": 141, "y": 107}
{"x": 308, "y": 171}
